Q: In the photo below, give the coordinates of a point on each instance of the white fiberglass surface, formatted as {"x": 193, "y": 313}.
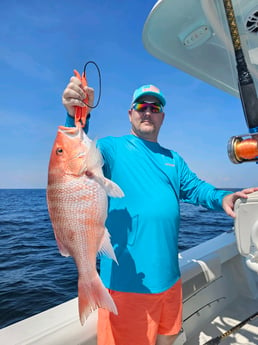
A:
{"x": 194, "y": 37}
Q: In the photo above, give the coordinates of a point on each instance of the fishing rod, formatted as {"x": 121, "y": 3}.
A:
{"x": 243, "y": 148}
{"x": 217, "y": 340}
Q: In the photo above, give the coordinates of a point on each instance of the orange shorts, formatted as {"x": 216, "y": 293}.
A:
{"x": 141, "y": 317}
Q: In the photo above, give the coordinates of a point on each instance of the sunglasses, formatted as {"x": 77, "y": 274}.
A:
{"x": 142, "y": 107}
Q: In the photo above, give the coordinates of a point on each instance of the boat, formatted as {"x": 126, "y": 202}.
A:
{"x": 194, "y": 37}
{"x": 220, "y": 276}
{"x": 219, "y": 292}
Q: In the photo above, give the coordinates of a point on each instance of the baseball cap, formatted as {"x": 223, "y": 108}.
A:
{"x": 150, "y": 90}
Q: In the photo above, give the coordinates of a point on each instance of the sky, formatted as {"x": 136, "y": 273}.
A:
{"x": 42, "y": 42}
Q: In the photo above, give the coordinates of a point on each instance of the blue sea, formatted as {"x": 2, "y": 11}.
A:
{"x": 35, "y": 277}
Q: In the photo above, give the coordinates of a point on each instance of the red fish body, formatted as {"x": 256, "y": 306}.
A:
{"x": 77, "y": 202}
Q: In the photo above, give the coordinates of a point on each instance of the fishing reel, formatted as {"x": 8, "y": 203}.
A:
{"x": 243, "y": 148}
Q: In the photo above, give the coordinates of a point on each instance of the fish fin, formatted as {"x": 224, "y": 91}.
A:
{"x": 62, "y": 249}
{"x": 106, "y": 246}
{"x": 93, "y": 295}
{"x": 94, "y": 162}
{"x": 111, "y": 188}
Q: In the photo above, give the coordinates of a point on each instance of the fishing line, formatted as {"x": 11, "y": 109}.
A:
{"x": 99, "y": 74}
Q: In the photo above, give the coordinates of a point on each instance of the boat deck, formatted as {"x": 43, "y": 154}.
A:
{"x": 230, "y": 317}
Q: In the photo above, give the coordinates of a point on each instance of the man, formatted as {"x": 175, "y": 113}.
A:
{"x": 146, "y": 285}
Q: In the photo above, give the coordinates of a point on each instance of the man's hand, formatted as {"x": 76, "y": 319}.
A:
{"x": 74, "y": 94}
{"x": 229, "y": 200}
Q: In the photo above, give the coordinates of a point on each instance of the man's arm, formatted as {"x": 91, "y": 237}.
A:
{"x": 228, "y": 201}
{"x": 199, "y": 192}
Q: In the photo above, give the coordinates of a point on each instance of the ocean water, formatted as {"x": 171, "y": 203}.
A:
{"x": 35, "y": 277}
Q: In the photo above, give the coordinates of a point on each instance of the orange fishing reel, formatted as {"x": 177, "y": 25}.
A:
{"x": 243, "y": 148}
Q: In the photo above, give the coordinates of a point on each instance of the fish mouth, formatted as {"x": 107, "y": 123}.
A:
{"x": 71, "y": 132}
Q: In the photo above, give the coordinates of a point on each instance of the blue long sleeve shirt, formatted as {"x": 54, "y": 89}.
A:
{"x": 144, "y": 224}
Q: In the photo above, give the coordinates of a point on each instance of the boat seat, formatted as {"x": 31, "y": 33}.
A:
{"x": 200, "y": 272}
{"x": 246, "y": 229}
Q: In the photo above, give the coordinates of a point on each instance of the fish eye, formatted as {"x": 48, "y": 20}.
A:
{"x": 59, "y": 151}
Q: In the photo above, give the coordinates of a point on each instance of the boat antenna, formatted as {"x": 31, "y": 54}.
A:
{"x": 217, "y": 340}
{"x": 243, "y": 148}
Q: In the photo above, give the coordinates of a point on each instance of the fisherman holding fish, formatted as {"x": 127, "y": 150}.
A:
{"x": 145, "y": 285}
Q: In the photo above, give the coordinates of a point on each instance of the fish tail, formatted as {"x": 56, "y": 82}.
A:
{"x": 92, "y": 296}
